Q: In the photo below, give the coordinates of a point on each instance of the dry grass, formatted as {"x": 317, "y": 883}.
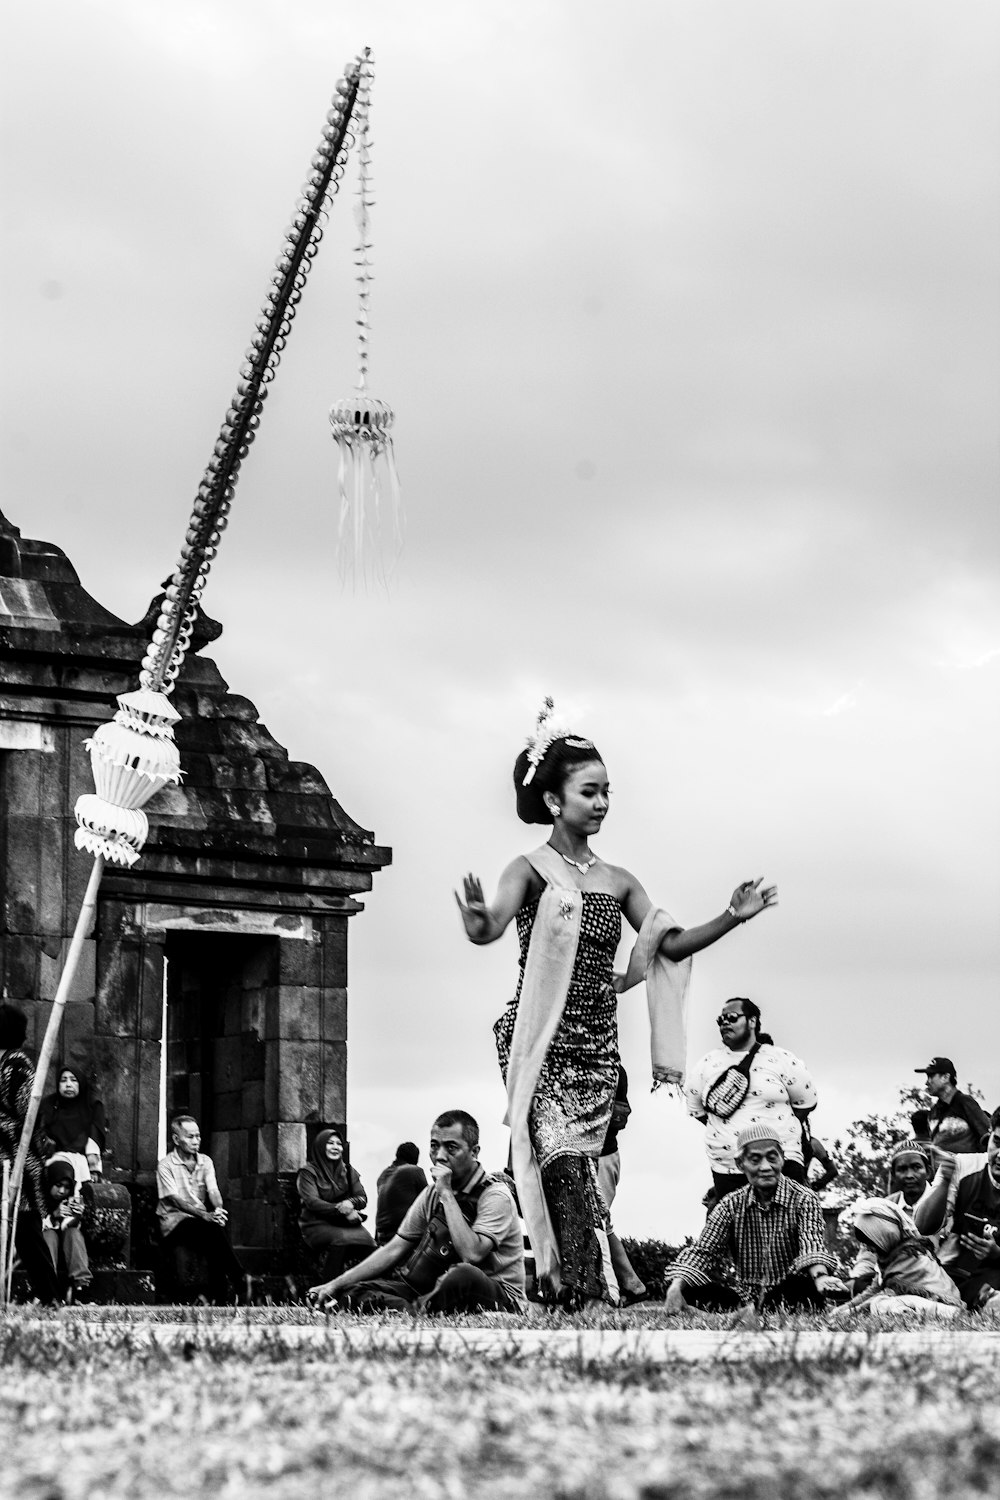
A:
{"x": 95, "y": 1413}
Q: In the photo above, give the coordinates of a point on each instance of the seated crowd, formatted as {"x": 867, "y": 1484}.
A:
{"x": 929, "y": 1247}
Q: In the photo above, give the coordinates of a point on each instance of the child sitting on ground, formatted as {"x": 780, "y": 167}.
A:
{"x": 61, "y": 1228}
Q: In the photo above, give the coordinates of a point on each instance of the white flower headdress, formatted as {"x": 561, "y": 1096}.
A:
{"x": 547, "y": 731}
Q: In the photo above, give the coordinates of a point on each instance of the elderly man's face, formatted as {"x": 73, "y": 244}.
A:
{"x": 762, "y": 1163}
{"x": 187, "y": 1136}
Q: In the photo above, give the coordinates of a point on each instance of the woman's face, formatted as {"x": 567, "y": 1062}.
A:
{"x": 583, "y": 802}
{"x": 334, "y": 1148}
{"x": 69, "y": 1087}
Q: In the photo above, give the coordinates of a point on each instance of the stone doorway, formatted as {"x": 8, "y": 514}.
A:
{"x": 217, "y": 988}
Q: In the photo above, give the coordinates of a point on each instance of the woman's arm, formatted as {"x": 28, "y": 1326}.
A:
{"x": 678, "y": 943}
{"x": 484, "y": 924}
{"x": 358, "y": 1195}
{"x": 308, "y": 1191}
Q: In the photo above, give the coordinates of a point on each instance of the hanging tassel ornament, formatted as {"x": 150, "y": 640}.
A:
{"x": 370, "y": 529}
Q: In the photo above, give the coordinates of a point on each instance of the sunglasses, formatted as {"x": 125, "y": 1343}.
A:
{"x": 725, "y": 1020}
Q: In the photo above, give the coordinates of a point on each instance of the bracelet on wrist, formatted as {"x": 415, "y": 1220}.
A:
{"x": 731, "y": 909}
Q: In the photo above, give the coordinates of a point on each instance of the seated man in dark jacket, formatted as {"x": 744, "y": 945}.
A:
{"x": 399, "y": 1185}
{"x": 459, "y": 1248}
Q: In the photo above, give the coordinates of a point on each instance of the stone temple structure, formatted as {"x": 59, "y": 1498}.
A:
{"x": 233, "y": 924}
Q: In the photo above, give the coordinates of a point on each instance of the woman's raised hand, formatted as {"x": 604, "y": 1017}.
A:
{"x": 748, "y": 899}
{"x": 475, "y": 912}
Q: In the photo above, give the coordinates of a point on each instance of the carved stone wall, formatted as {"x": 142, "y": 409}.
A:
{"x": 237, "y": 911}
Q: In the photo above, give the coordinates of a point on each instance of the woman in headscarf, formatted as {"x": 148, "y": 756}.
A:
{"x": 897, "y": 1269}
{"x": 557, "y": 1041}
{"x": 16, "y": 1078}
{"x": 75, "y": 1123}
{"x": 331, "y": 1199}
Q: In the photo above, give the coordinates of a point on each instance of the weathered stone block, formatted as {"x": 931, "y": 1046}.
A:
{"x": 292, "y": 1080}
{"x": 261, "y": 967}
{"x": 232, "y": 1011}
{"x": 83, "y": 984}
{"x": 333, "y": 1008}
{"x": 217, "y": 1147}
{"x": 300, "y": 961}
{"x": 334, "y": 1086}
{"x": 151, "y": 991}
{"x": 55, "y": 889}
{"x": 227, "y": 1111}
{"x": 148, "y": 1105}
{"x": 293, "y": 1013}
{"x": 21, "y": 897}
{"x": 267, "y": 1148}
{"x": 252, "y": 1057}
{"x": 21, "y": 963}
{"x": 116, "y": 1003}
{"x": 291, "y": 1146}
{"x": 227, "y": 1070}
{"x": 334, "y": 931}
{"x": 22, "y": 780}
{"x": 116, "y": 1065}
{"x": 252, "y": 1104}
{"x": 252, "y": 1011}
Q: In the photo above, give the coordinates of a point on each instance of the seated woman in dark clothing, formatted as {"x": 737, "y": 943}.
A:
{"x": 331, "y": 1199}
{"x": 16, "y": 1078}
{"x": 74, "y": 1122}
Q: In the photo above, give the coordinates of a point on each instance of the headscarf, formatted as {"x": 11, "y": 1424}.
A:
{"x": 886, "y": 1226}
{"x": 70, "y": 1122}
{"x": 59, "y": 1169}
{"x": 330, "y": 1176}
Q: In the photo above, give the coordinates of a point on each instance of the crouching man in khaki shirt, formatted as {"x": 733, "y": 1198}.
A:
{"x": 459, "y": 1247}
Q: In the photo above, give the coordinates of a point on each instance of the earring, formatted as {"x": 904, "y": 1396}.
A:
{"x": 554, "y": 811}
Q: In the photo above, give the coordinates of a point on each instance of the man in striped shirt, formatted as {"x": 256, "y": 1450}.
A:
{"x": 768, "y": 1236}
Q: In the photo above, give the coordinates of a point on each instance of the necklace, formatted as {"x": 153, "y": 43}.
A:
{"x": 583, "y": 865}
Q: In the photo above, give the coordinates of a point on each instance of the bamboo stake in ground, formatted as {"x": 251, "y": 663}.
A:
{"x": 4, "y": 1257}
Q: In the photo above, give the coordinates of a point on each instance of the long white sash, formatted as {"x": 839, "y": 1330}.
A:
{"x": 548, "y": 969}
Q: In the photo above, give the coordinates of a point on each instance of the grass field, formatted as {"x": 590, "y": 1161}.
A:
{"x": 237, "y": 1408}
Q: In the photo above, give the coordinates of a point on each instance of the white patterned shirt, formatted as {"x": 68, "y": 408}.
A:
{"x": 778, "y": 1081}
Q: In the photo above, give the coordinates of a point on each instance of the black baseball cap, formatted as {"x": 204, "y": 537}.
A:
{"x": 938, "y": 1065}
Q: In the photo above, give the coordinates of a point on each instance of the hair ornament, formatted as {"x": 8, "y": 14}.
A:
{"x": 547, "y": 731}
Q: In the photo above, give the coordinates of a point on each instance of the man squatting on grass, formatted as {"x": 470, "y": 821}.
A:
{"x": 458, "y": 1249}
{"x": 771, "y": 1231}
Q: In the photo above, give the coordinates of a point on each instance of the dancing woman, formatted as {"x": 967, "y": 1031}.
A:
{"x": 557, "y": 1040}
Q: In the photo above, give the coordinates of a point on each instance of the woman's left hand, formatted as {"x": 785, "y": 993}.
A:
{"x": 748, "y": 899}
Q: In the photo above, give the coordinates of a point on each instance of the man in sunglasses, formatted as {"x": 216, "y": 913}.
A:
{"x": 749, "y": 1081}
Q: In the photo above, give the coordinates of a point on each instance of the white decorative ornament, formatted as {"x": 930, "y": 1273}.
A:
{"x": 370, "y": 525}
{"x": 132, "y": 757}
{"x": 546, "y": 731}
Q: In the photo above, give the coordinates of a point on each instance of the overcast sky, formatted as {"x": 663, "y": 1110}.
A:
{"x": 689, "y": 313}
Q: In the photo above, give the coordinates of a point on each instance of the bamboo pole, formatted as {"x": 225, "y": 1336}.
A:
{"x": 6, "y": 1259}
{"x": 84, "y": 923}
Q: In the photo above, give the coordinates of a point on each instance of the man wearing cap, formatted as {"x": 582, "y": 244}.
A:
{"x": 770, "y": 1232}
{"x": 957, "y": 1123}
